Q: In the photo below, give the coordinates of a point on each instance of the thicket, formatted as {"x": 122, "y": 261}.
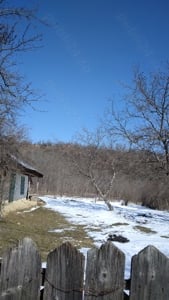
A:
{"x": 137, "y": 177}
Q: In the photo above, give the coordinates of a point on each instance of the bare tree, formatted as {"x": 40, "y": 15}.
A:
{"x": 144, "y": 122}
{"x": 15, "y": 93}
{"x": 16, "y": 37}
{"x": 93, "y": 161}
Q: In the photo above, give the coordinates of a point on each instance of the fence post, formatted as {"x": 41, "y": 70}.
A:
{"x": 64, "y": 274}
{"x": 105, "y": 273}
{"x": 20, "y": 272}
{"x": 149, "y": 275}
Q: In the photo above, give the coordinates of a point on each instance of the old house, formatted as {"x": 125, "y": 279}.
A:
{"x": 16, "y": 181}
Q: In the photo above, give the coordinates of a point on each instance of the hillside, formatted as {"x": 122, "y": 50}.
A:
{"x": 137, "y": 177}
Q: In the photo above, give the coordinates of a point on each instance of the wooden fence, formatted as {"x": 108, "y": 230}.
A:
{"x": 21, "y": 275}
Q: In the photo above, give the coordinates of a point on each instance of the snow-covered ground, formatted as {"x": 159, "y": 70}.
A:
{"x": 99, "y": 222}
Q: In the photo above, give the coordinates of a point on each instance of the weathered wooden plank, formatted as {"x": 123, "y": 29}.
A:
{"x": 20, "y": 272}
{"x": 149, "y": 275}
{"x": 105, "y": 273}
{"x": 64, "y": 274}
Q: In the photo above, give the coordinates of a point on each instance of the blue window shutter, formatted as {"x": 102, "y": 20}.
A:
{"x": 22, "y": 187}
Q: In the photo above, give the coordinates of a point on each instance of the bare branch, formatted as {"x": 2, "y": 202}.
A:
{"x": 15, "y": 94}
{"x": 144, "y": 123}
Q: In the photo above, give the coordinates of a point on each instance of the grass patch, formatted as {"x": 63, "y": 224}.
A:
{"x": 144, "y": 229}
{"x": 37, "y": 225}
{"x": 119, "y": 224}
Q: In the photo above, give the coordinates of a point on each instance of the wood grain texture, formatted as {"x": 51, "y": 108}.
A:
{"x": 150, "y": 275}
{"x": 20, "y": 272}
{"x": 105, "y": 273}
{"x": 64, "y": 274}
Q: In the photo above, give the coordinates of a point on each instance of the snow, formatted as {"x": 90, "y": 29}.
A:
{"x": 98, "y": 223}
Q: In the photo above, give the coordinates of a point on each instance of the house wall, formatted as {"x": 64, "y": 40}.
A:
{"x": 20, "y": 193}
{"x": 4, "y": 187}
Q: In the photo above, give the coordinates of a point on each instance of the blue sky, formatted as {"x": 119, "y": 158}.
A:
{"x": 89, "y": 48}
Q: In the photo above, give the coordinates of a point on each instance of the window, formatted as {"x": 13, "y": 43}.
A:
{"x": 22, "y": 187}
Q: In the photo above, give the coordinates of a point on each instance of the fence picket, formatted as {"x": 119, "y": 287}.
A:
{"x": 105, "y": 273}
{"x": 20, "y": 272}
{"x": 63, "y": 279}
{"x": 64, "y": 274}
{"x": 150, "y": 275}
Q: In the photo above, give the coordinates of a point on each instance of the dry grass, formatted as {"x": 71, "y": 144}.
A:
{"x": 120, "y": 224}
{"x": 144, "y": 229}
{"x": 39, "y": 225}
{"x": 165, "y": 236}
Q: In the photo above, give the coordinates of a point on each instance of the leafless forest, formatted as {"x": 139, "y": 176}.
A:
{"x": 67, "y": 170}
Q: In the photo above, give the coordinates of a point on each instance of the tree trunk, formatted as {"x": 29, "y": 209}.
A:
{"x": 107, "y": 202}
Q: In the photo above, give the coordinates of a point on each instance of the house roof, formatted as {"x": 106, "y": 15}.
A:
{"x": 25, "y": 168}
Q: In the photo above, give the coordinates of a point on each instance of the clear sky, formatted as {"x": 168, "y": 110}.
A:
{"x": 89, "y": 49}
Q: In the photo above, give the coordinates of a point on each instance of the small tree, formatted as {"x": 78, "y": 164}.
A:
{"x": 95, "y": 162}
